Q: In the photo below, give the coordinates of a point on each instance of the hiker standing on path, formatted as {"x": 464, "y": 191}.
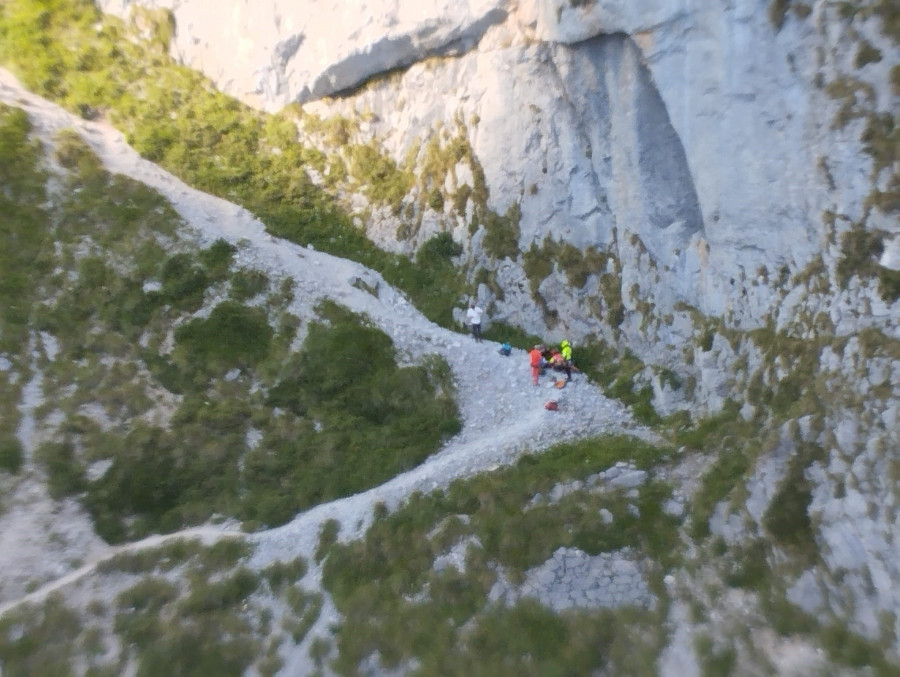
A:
{"x": 473, "y": 317}
{"x": 535, "y": 357}
{"x": 566, "y": 348}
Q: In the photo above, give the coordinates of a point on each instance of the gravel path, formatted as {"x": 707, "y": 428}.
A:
{"x": 503, "y": 413}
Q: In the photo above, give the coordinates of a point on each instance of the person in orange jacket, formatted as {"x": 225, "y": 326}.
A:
{"x": 535, "y": 357}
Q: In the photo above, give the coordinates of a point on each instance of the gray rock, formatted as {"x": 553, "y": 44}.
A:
{"x": 629, "y": 479}
{"x": 673, "y": 507}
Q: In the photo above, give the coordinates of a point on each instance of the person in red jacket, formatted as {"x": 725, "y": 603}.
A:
{"x": 535, "y": 357}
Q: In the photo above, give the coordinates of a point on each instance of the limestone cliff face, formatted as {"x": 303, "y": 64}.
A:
{"x": 717, "y": 133}
{"x": 726, "y": 171}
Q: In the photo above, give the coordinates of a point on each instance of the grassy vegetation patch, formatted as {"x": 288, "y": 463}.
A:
{"x": 11, "y": 453}
{"x": 394, "y": 602}
{"x": 25, "y": 245}
{"x": 617, "y": 373}
{"x": 580, "y": 265}
{"x": 208, "y": 560}
{"x": 206, "y": 631}
{"x": 777, "y": 12}
{"x": 714, "y": 661}
{"x": 507, "y": 333}
{"x": 39, "y": 640}
{"x": 787, "y": 517}
{"x": 363, "y": 419}
{"x": 188, "y": 610}
{"x": 861, "y": 250}
{"x": 848, "y": 648}
{"x": 736, "y": 443}
{"x": 539, "y": 262}
{"x": 786, "y": 385}
{"x": 866, "y": 54}
{"x": 378, "y": 174}
{"x": 501, "y": 237}
{"x": 233, "y": 335}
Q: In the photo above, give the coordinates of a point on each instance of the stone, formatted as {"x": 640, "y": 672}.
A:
{"x": 673, "y": 507}
{"x": 629, "y": 479}
{"x": 806, "y": 593}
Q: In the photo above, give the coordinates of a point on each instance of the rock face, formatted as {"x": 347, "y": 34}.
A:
{"x": 725, "y": 173}
{"x": 718, "y": 136}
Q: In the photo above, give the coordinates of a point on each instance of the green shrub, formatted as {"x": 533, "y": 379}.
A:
{"x": 327, "y": 537}
{"x": 11, "y": 453}
{"x": 233, "y": 335}
{"x": 198, "y": 634}
{"x": 860, "y": 251}
{"x": 25, "y": 242}
{"x": 306, "y": 607}
{"x": 147, "y": 595}
{"x": 501, "y": 238}
{"x": 145, "y": 479}
{"x": 787, "y": 517}
{"x": 440, "y": 246}
{"x": 866, "y": 54}
{"x": 206, "y": 560}
{"x": 384, "y": 182}
{"x": 889, "y": 284}
{"x": 723, "y": 476}
{"x": 217, "y": 258}
{"x": 749, "y": 567}
{"x": 39, "y": 640}
{"x": 245, "y": 284}
{"x": 184, "y": 282}
{"x": 714, "y": 663}
{"x": 778, "y": 12}
{"x": 64, "y": 470}
{"x": 848, "y": 648}
{"x": 611, "y": 288}
{"x": 281, "y": 574}
{"x": 708, "y": 433}
{"x": 224, "y": 594}
{"x": 580, "y": 265}
{"x": 617, "y": 375}
{"x": 200, "y": 648}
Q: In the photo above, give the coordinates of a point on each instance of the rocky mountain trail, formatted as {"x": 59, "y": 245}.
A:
{"x": 503, "y": 414}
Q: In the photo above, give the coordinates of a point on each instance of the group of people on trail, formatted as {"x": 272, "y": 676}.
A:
{"x": 542, "y": 358}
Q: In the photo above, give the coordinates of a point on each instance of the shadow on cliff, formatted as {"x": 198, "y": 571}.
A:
{"x": 636, "y": 154}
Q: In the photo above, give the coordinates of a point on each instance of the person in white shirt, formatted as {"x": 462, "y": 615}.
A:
{"x": 473, "y": 317}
